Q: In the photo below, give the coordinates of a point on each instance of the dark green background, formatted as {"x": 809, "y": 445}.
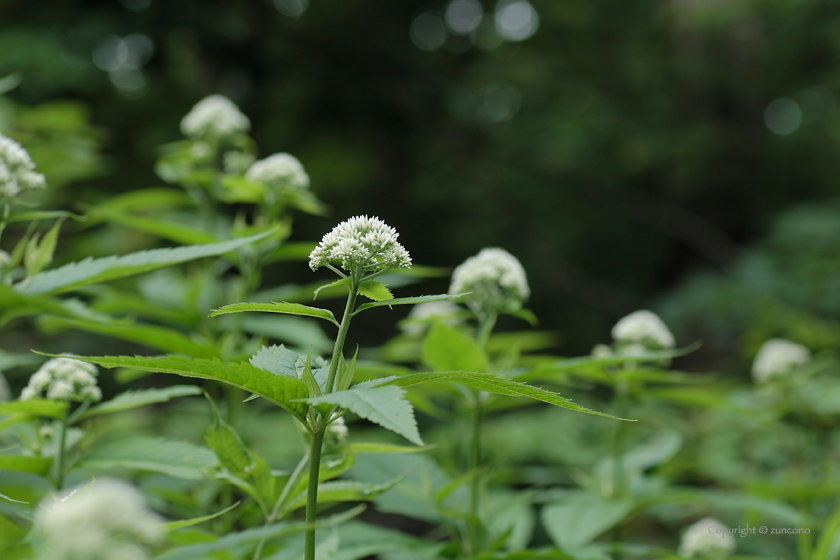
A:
{"x": 637, "y": 172}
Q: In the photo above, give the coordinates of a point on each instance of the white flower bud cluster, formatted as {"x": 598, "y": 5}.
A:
{"x": 776, "y": 357}
{"x": 361, "y": 243}
{"x": 495, "y": 278}
{"x": 214, "y": 116}
{"x": 64, "y": 379}
{"x": 446, "y": 311}
{"x": 646, "y": 328}
{"x": 708, "y": 538}
{"x": 109, "y": 521}
{"x": 17, "y": 171}
{"x": 280, "y": 171}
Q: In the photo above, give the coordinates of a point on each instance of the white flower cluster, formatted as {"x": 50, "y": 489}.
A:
{"x": 495, "y": 278}
{"x": 279, "y": 171}
{"x": 109, "y": 521}
{"x": 643, "y": 327}
{"x": 446, "y": 311}
{"x": 64, "y": 379}
{"x": 214, "y": 116}
{"x": 361, "y": 243}
{"x": 17, "y": 171}
{"x": 776, "y": 357}
{"x": 708, "y": 538}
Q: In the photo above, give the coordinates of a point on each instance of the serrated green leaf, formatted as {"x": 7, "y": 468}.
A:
{"x": 497, "y": 385}
{"x": 575, "y": 525}
{"x": 233, "y": 541}
{"x": 405, "y": 301}
{"x": 136, "y": 399}
{"x": 382, "y": 405}
{"x": 279, "y": 360}
{"x": 180, "y": 459}
{"x": 448, "y": 349}
{"x": 24, "y": 463}
{"x": 334, "y": 284}
{"x": 153, "y": 336}
{"x": 43, "y": 215}
{"x": 282, "y": 391}
{"x": 278, "y": 307}
{"x": 93, "y": 271}
{"x": 346, "y": 373}
{"x": 35, "y": 407}
{"x": 372, "y": 447}
{"x": 377, "y": 291}
{"x": 237, "y": 458}
{"x": 165, "y": 229}
{"x": 309, "y": 379}
{"x": 40, "y": 255}
{"x": 175, "y": 525}
{"x": 346, "y": 491}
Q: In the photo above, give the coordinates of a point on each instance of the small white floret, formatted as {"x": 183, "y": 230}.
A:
{"x": 708, "y": 538}
{"x": 646, "y": 328}
{"x": 776, "y": 357}
{"x": 214, "y": 116}
{"x": 495, "y": 279}
{"x": 361, "y": 243}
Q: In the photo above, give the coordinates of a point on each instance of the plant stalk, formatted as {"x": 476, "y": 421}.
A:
{"x": 318, "y": 436}
{"x": 62, "y": 439}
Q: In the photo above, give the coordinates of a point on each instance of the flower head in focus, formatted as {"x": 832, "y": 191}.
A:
{"x": 214, "y": 116}
{"x": 64, "y": 379}
{"x": 708, "y": 539}
{"x": 495, "y": 278}
{"x": 17, "y": 171}
{"x": 108, "y": 521}
{"x": 363, "y": 244}
{"x": 646, "y": 328}
{"x": 280, "y": 171}
{"x": 776, "y": 357}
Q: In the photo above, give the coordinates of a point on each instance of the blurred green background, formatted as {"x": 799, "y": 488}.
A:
{"x": 680, "y": 155}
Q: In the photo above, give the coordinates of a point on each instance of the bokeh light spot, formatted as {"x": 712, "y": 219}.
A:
{"x": 427, "y": 31}
{"x": 463, "y": 16}
{"x": 291, "y": 8}
{"x": 516, "y": 20}
{"x": 783, "y": 116}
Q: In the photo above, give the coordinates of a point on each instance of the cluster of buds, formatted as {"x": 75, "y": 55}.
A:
{"x": 64, "y": 379}
{"x": 104, "y": 522}
{"x": 361, "y": 244}
{"x": 495, "y": 279}
{"x": 214, "y": 117}
{"x": 17, "y": 171}
{"x": 776, "y": 357}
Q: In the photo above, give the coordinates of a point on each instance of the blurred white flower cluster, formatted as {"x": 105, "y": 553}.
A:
{"x": 420, "y": 315}
{"x": 215, "y": 116}
{"x": 280, "y": 171}
{"x": 645, "y": 328}
{"x": 64, "y": 379}
{"x": 777, "y": 357}
{"x": 707, "y": 539}
{"x": 361, "y": 243}
{"x": 495, "y": 278}
{"x": 17, "y": 171}
{"x": 108, "y": 521}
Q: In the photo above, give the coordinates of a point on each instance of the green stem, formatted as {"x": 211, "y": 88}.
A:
{"x": 486, "y": 322}
{"x": 312, "y": 491}
{"x": 318, "y": 436}
{"x": 62, "y": 438}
